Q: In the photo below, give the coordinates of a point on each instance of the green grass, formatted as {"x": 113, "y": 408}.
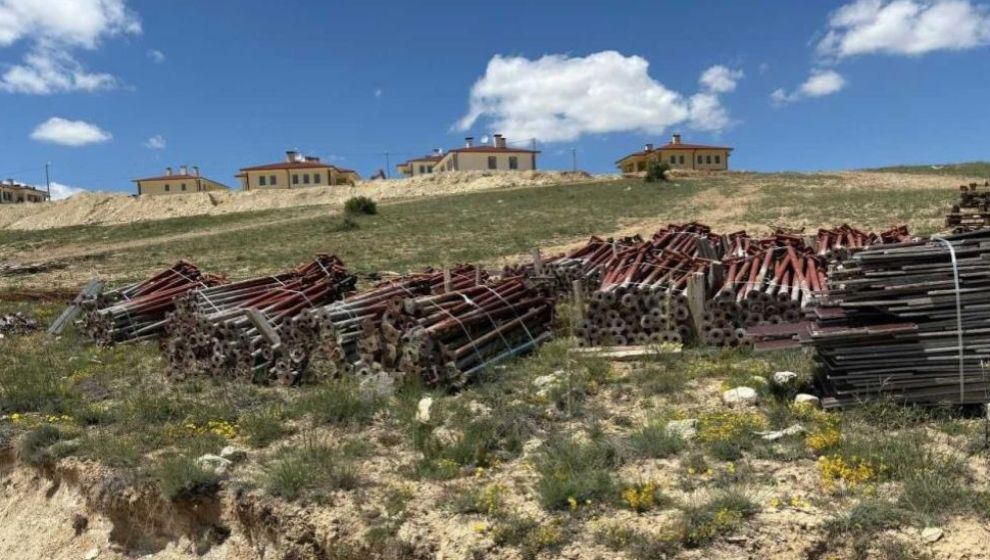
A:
{"x": 311, "y": 470}
{"x": 574, "y": 474}
{"x": 965, "y": 169}
{"x": 472, "y": 227}
{"x": 922, "y": 210}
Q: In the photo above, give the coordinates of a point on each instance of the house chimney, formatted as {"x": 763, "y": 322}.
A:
{"x": 313, "y": 159}
{"x": 649, "y": 147}
{"x": 183, "y": 170}
{"x": 437, "y": 151}
{"x": 168, "y": 171}
{"x": 469, "y": 141}
{"x": 290, "y": 155}
{"x": 499, "y": 141}
{"x": 675, "y": 139}
{"x": 196, "y": 170}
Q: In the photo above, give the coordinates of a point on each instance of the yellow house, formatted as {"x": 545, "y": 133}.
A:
{"x": 12, "y": 193}
{"x": 498, "y": 157}
{"x": 677, "y": 155}
{"x": 419, "y": 166}
{"x": 178, "y": 183}
{"x": 295, "y": 172}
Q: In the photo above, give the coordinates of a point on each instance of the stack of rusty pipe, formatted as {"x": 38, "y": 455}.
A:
{"x": 446, "y": 339}
{"x": 973, "y": 210}
{"x": 772, "y": 285}
{"x": 839, "y": 243}
{"x": 138, "y": 311}
{"x": 329, "y": 341}
{"x": 236, "y": 330}
{"x": 642, "y": 297}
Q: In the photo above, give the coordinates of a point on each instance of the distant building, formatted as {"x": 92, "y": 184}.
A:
{"x": 419, "y": 166}
{"x": 12, "y": 192}
{"x": 498, "y": 157}
{"x": 178, "y": 183}
{"x": 678, "y": 155}
{"x": 295, "y": 172}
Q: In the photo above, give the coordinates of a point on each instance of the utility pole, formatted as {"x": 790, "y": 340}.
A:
{"x": 387, "y": 166}
{"x": 48, "y": 179}
{"x": 532, "y": 142}
{"x": 574, "y": 159}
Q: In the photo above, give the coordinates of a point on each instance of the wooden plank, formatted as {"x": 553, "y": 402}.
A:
{"x": 625, "y": 353}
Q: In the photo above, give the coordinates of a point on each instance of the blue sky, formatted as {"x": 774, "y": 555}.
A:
{"x": 135, "y": 86}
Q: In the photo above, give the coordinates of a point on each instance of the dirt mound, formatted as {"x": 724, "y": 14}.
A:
{"x": 106, "y": 208}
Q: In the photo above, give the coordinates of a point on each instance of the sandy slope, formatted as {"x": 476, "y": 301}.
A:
{"x": 103, "y": 208}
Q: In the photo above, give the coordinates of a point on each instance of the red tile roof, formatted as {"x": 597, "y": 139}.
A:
{"x": 424, "y": 158}
{"x": 491, "y": 149}
{"x": 170, "y": 177}
{"x": 295, "y": 165}
{"x": 672, "y": 146}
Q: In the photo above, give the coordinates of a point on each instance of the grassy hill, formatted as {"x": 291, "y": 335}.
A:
{"x": 965, "y": 169}
{"x": 553, "y": 455}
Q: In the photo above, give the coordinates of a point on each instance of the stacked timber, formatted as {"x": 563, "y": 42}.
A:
{"x": 973, "y": 210}
{"x": 138, "y": 311}
{"x": 909, "y": 321}
{"x": 236, "y": 329}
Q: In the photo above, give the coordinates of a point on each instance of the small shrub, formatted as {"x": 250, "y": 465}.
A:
{"x": 657, "y": 171}
{"x": 360, "y": 205}
{"x": 486, "y": 500}
{"x": 701, "y": 524}
{"x": 574, "y": 474}
{"x": 338, "y": 402}
{"x": 636, "y": 544}
{"x": 531, "y": 537}
{"x": 644, "y": 497}
{"x": 179, "y": 477}
{"x": 113, "y": 450}
{"x": 654, "y": 441}
{"x": 262, "y": 427}
{"x": 868, "y": 517}
{"x": 34, "y": 447}
{"x": 308, "y": 471}
{"x": 935, "y": 493}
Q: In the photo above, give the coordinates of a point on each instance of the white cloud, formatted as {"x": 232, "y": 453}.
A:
{"x": 819, "y": 84}
{"x": 560, "y": 98}
{"x": 57, "y": 130}
{"x": 156, "y": 142}
{"x": 377, "y": 93}
{"x": 48, "y": 70}
{"x": 156, "y": 56}
{"x": 905, "y": 27}
{"x": 54, "y": 28}
{"x": 60, "y": 191}
{"x": 720, "y": 79}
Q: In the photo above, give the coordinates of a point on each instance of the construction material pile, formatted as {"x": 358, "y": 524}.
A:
{"x": 891, "y": 324}
{"x": 689, "y": 284}
{"x": 448, "y": 338}
{"x": 973, "y": 210}
{"x": 138, "y": 311}
{"x": 17, "y": 323}
{"x": 340, "y": 338}
{"x": 235, "y": 329}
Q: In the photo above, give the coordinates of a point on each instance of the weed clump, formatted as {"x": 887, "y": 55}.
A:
{"x": 575, "y": 475}
{"x": 360, "y": 205}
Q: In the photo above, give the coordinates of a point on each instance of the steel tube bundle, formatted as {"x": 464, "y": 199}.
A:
{"x": 237, "y": 329}
{"x": 138, "y": 311}
{"x": 446, "y": 339}
{"x": 330, "y": 339}
{"x": 892, "y": 324}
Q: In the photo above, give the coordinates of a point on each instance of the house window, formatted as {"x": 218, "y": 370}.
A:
{"x": 167, "y": 187}
{"x": 183, "y": 186}
{"x": 699, "y": 160}
{"x": 305, "y": 178}
{"x": 718, "y": 160}
{"x": 682, "y": 160}
{"x": 316, "y": 178}
{"x": 422, "y": 169}
{"x": 295, "y": 179}
{"x": 492, "y": 162}
{"x": 429, "y": 169}
{"x": 513, "y": 162}
{"x": 262, "y": 181}
{"x": 272, "y": 180}
{"x": 673, "y": 160}
{"x": 708, "y": 160}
